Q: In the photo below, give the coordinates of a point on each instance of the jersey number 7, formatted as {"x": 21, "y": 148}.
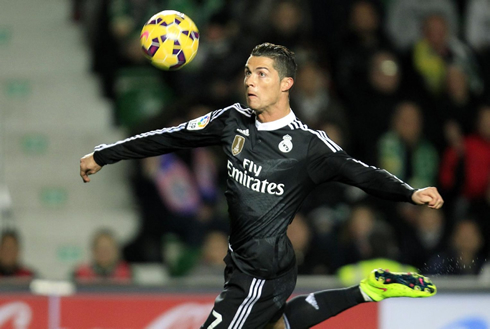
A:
{"x": 218, "y": 320}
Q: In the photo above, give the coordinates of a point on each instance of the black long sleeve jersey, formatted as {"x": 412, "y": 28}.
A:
{"x": 271, "y": 169}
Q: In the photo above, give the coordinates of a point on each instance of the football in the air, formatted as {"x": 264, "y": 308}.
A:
{"x": 170, "y": 40}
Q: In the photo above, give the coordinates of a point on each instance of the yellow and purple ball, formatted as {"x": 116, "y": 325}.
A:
{"x": 170, "y": 40}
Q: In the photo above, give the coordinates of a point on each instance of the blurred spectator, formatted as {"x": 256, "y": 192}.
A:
{"x": 405, "y": 18}
{"x": 106, "y": 265}
{"x": 423, "y": 238}
{"x": 257, "y": 12}
{"x": 384, "y": 72}
{"x": 288, "y": 25}
{"x": 436, "y": 50}
{"x": 458, "y": 104}
{"x": 480, "y": 210}
{"x": 10, "y": 260}
{"x": 465, "y": 170}
{"x": 373, "y": 102}
{"x": 354, "y": 242}
{"x": 313, "y": 101}
{"x": 477, "y": 34}
{"x": 214, "y": 249}
{"x": 364, "y": 37}
{"x": 404, "y": 152}
{"x": 464, "y": 255}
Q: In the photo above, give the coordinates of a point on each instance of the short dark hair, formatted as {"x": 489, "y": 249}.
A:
{"x": 284, "y": 61}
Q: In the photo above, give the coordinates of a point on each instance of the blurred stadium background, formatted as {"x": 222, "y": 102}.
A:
{"x": 397, "y": 83}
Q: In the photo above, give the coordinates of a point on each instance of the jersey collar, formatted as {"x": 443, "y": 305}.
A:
{"x": 277, "y": 124}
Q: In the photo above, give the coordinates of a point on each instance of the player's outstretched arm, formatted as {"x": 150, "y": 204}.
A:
{"x": 88, "y": 166}
{"x": 429, "y": 196}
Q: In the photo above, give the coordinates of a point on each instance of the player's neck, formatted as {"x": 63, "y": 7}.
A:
{"x": 275, "y": 112}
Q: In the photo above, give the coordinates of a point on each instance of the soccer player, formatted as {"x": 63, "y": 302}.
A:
{"x": 274, "y": 161}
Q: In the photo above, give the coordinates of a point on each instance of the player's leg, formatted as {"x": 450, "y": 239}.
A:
{"x": 250, "y": 303}
{"x": 308, "y": 310}
{"x": 305, "y": 311}
{"x": 382, "y": 284}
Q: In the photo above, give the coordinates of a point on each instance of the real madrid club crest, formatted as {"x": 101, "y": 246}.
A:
{"x": 237, "y": 145}
{"x": 286, "y": 145}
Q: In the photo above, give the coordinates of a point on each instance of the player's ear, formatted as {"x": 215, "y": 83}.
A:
{"x": 287, "y": 83}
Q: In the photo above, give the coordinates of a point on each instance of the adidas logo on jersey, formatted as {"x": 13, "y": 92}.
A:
{"x": 243, "y": 131}
{"x": 312, "y": 301}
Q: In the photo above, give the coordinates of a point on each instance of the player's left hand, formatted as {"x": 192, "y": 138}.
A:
{"x": 429, "y": 196}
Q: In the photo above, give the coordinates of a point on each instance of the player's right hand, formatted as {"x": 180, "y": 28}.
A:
{"x": 428, "y": 196}
{"x": 88, "y": 166}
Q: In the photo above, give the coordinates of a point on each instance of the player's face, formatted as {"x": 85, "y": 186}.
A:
{"x": 262, "y": 83}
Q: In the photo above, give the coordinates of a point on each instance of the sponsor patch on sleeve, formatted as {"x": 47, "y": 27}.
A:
{"x": 199, "y": 123}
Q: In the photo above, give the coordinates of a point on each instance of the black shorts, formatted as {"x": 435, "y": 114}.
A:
{"x": 250, "y": 303}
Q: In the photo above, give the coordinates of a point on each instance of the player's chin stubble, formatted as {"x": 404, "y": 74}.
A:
{"x": 256, "y": 110}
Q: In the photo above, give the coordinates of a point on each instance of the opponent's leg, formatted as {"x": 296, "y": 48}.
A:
{"x": 308, "y": 310}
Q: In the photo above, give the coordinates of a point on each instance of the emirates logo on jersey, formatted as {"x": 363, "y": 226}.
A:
{"x": 286, "y": 145}
{"x": 237, "y": 145}
{"x": 248, "y": 176}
